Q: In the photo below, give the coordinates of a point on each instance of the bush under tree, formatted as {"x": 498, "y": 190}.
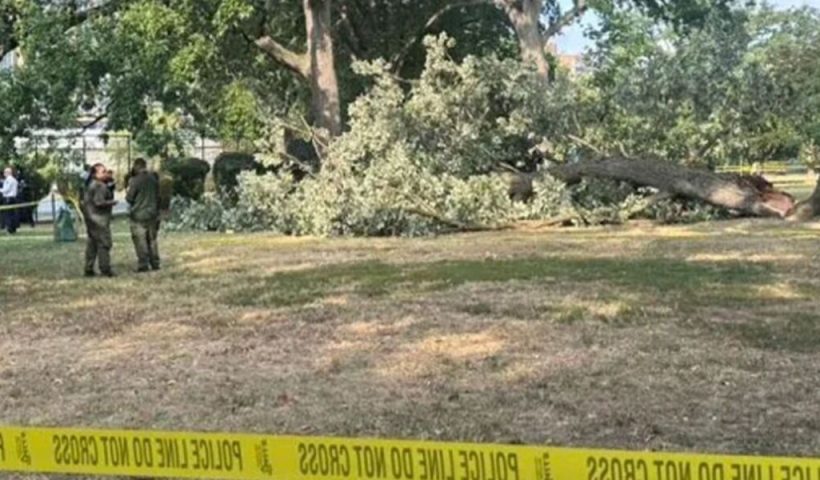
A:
{"x": 189, "y": 176}
{"x": 228, "y": 166}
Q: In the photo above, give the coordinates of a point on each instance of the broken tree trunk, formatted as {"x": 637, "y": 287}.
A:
{"x": 752, "y": 196}
{"x": 808, "y": 209}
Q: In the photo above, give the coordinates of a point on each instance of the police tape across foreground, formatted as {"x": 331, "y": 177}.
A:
{"x": 248, "y": 456}
{"x": 17, "y": 206}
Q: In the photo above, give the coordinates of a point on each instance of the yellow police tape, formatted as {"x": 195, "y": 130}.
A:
{"x": 246, "y": 456}
{"x": 18, "y": 205}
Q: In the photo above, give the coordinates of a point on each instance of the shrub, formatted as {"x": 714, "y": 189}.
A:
{"x": 685, "y": 211}
{"x": 228, "y": 166}
{"x": 36, "y": 185}
{"x": 206, "y": 214}
{"x": 188, "y": 175}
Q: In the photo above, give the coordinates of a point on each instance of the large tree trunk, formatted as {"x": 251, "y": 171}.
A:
{"x": 324, "y": 85}
{"x": 525, "y": 16}
{"x": 753, "y": 196}
{"x": 809, "y": 208}
{"x": 316, "y": 66}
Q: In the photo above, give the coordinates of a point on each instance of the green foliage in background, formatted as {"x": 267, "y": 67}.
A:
{"x": 188, "y": 176}
{"x": 228, "y": 166}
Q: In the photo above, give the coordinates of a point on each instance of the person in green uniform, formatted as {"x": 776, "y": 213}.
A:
{"x": 97, "y": 205}
{"x": 143, "y": 197}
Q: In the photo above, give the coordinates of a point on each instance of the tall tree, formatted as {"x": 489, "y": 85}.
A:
{"x": 536, "y": 22}
{"x": 192, "y": 55}
{"x": 790, "y": 47}
{"x": 316, "y": 64}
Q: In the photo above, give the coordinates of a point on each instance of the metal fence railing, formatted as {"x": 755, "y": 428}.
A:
{"x": 114, "y": 150}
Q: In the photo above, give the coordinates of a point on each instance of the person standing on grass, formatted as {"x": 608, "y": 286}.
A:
{"x": 143, "y": 197}
{"x": 9, "y": 194}
{"x": 97, "y": 206}
{"x": 25, "y": 195}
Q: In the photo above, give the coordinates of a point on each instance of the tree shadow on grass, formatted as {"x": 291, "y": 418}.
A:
{"x": 657, "y": 278}
{"x": 797, "y": 332}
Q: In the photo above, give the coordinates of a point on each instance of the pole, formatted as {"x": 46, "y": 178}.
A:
{"x": 128, "y": 141}
{"x": 54, "y": 214}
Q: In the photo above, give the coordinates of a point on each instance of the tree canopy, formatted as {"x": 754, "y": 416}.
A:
{"x": 228, "y": 64}
{"x": 693, "y": 83}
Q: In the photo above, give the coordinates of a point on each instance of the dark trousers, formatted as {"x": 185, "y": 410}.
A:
{"x": 25, "y": 215}
{"x": 10, "y": 217}
{"x": 98, "y": 247}
{"x": 144, "y": 235}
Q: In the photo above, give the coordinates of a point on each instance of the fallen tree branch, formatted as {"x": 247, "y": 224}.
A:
{"x": 649, "y": 202}
{"x": 464, "y": 227}
{"x": 749, "y": 196}
{"x": 553, "y": 222}
{"x": 580, "y": 141}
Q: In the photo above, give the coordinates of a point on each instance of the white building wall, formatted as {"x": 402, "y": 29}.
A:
{"x": 10, "y": 60}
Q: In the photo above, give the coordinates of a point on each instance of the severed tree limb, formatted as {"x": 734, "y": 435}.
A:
{"x": 580, "y": 141}
{"x": 460, "y": 226}
{"x": 558, "y": 221}
{"x": 732, "y": 193}
{"x": 477, "y": 227}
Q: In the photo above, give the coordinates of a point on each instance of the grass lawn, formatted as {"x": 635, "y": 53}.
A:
{"x": 702, "y": 338}
{"x": 799, "y": 185}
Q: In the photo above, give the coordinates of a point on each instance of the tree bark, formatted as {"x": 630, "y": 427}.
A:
{"x": 751, "y": 196}
{"x": 524, "y": 15}
{"x": 297, "y": 63}
{"x": 316, "y": 66}
{"x": 810, "y": 208}
{"x": 324, "y": 85}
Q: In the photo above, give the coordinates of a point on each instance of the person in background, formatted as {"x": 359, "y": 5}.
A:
{"x": 97, "y": 205}
{"x": 143, "y": 197}
{"x": 9, "y": 194}
{"x": 25, "y": 195}
{"x": 110, "y": 182}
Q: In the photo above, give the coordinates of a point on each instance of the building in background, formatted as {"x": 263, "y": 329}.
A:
{"x": 11, "y": 60}
{"x": 572, "y": 63}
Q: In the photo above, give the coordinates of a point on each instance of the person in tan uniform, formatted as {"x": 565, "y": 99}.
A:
{"x": 143, "y": 197}
{"x": 97, "y": 205}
